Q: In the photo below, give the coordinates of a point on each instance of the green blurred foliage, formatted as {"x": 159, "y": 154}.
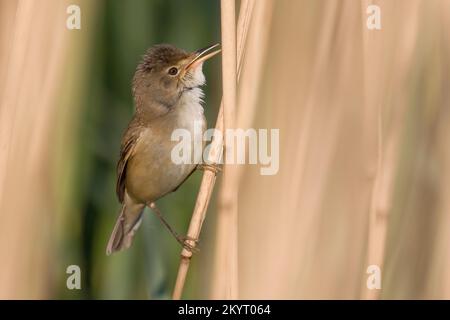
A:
{"x": 120, "y": 32}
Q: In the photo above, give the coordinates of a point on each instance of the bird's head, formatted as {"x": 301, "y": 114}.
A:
{"x": 166, "y": 72}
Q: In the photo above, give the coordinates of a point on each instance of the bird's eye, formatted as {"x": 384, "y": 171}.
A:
{"x": 173, "y": 71}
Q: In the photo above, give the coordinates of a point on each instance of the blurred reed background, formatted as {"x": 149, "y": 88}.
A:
{"x": 364, "y": 149}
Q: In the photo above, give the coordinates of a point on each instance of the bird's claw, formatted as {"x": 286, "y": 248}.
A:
{"x": 213, "y": 167}
{"x": 184, "y": 241}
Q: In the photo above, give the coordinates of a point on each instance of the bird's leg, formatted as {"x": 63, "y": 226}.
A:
{"x": 214, "y": 167}
{"x": 181, "y": 240}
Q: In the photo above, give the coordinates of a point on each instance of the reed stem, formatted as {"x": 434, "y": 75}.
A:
{"x": 214, "y": 155}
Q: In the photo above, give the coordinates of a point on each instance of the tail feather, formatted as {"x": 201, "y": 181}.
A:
{"x": 127, "y": 223}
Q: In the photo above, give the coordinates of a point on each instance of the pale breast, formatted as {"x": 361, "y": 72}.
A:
{"x": 151, "y": 173}
{"x": 190, "y": 116}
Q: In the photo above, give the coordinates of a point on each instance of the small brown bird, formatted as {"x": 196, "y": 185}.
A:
{"x": 167, "y": 95}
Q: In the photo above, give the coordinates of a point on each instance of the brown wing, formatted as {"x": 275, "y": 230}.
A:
{"x": 126, "y": 152}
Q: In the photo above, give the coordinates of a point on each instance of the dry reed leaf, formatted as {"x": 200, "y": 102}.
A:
{"x": 32, "y": 60}
{"x": 354, "y": 153}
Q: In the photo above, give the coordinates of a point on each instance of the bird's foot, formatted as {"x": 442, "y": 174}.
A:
{"x": 185, "y": 242}
{"x": 213, "y": 167}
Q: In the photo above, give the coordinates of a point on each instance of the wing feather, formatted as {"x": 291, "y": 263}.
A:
{"x": 129, "y": 142}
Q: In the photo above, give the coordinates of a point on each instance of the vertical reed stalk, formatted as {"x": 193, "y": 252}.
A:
{"x": 215, "y": 151}
{"x": 374, "y": 142}
{"x": 383, "y": 141}
{"x": 226, "y": 279}
{"x": 33, "y": 48}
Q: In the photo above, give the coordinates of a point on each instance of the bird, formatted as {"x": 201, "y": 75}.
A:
{"x": 167, "y": 96}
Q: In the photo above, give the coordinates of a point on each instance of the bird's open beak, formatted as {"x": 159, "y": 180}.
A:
{"x": 201, "y": 55}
